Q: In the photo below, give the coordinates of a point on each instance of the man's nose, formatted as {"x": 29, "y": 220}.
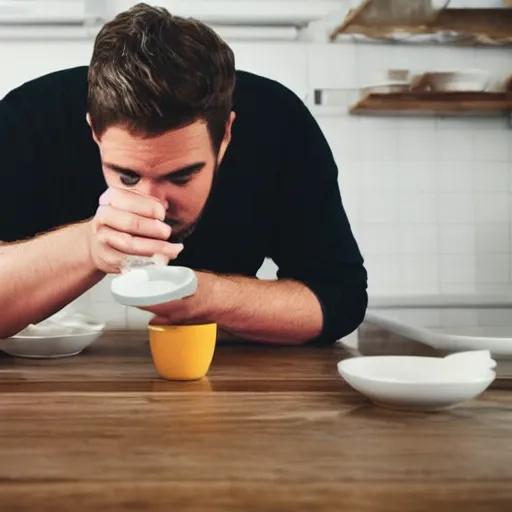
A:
{"x": 149, "y": 188}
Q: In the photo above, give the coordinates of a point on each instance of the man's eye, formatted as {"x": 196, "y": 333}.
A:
{"x": 180, "y": 180}
{"x": 129, "y": 180}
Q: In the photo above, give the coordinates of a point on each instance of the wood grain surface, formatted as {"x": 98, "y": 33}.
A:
{"x": 429, "y": 103}
{"x": 487, "y": 26}
{"x": 270, "y": 429}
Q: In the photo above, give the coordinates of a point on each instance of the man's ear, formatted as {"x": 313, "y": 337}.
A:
{"x": 227, "y": 137}
{"x": 88, "y": 119}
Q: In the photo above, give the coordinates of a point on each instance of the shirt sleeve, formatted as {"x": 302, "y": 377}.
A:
{"x": 313, "y": 241}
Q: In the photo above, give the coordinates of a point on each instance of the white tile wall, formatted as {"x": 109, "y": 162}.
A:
{"x": 433, "y": 205}
{"x": 428, "y": 198}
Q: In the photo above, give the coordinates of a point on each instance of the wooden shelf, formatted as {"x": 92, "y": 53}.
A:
{"x": 432, "y": 103}
{"x": 474, "y": 26}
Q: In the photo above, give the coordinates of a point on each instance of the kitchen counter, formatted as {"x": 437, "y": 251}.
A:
{"x": 270, "y": 429}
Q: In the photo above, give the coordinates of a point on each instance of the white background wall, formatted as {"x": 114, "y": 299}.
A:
{"x": 429, "y": 199}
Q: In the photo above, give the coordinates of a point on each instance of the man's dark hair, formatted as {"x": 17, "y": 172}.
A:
{"x": 152, "y": 72}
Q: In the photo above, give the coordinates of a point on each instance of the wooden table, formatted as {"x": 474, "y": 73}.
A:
{"x": 271, "y": 429}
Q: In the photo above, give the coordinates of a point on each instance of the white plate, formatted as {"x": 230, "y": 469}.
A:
{"x": 48, "y": 347}
{"x": 64, "y": 334}
{"x": 448, "y": 338}
{"x": 413, "y": 383}
{"x": 354, "y": 349}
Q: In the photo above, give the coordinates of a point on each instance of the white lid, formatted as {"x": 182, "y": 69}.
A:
{"x": 153, "y": 284}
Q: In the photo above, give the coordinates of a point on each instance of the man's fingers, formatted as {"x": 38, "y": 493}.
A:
{"x": 137, "y": 246}
{"x": 159, "y": 320}
{"x": 128, "y": 222}
{"x": 132, "y": 201}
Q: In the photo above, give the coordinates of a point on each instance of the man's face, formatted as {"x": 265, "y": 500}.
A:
{"x": 177, "y": 167}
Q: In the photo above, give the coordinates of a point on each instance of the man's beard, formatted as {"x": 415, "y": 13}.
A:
{"x": 180, "y": 237}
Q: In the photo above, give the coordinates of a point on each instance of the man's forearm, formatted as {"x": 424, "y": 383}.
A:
{"x": 40, "y": 276}
{"x": 284, "y": 312}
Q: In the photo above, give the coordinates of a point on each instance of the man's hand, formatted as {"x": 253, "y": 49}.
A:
{"x": 128, "y": 223}
{"x": 198, "y": 308}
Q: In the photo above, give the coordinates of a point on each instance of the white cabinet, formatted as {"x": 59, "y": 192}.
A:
{"x": 22, "y": 61}
{"x": 25, "y": 60}
{"x": 284, "y": 62}
{"x": 50, "y": 11}
{"x": 242, "y": 12}
{"x": 332, "y": 66}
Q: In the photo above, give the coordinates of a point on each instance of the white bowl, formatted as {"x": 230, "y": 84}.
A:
{"x": 48, "y": 347}
{"x": 414, "y": 383}
{"x": 459, "y": 338}
{"x": 64, "y": 334}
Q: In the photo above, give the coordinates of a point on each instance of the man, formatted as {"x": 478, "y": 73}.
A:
{"x": 160, "y": 147}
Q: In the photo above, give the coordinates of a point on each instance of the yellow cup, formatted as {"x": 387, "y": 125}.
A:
{"x": 182, "y": 352}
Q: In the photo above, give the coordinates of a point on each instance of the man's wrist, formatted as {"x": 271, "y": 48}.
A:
{"x": 221, "y": 295}
{"x": 82, "y": 234}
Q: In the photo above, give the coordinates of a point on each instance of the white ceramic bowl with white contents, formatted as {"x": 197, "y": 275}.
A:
{"x": 418, "y": 383}
{"x": 65, "y": 334}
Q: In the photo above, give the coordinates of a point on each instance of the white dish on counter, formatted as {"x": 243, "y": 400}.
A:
{"x": 48, "y": 347}
{"x": 418, "y": 383}
{"x": 446, "y": 338}
{"x": 65, "y": 334}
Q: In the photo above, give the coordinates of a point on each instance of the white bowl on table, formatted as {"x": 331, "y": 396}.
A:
{"x": 419, "y": 383}
{"x": 64, "y": 334}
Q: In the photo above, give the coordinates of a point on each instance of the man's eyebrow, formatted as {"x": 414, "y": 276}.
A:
{"x": 177, "y": 173}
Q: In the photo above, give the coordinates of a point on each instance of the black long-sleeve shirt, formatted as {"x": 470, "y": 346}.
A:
{"x": 277, "y": 192}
